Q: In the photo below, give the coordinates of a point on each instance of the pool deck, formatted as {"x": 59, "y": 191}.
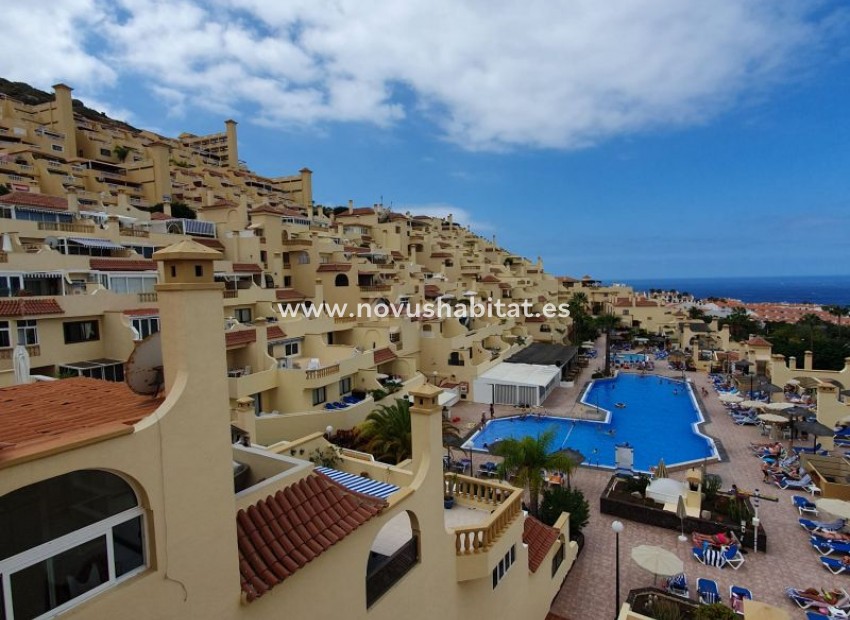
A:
{"x": 588, "y": 591}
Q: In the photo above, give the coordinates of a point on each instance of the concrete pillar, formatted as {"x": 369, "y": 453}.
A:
{"x": 65, "y": 118}
{"x": 306, "y": 187}
{"x": 232, "y": 144}
{"x": 159, "y": 153}
{"x": 426, "y": 424}
{"x": 807, "y": 360}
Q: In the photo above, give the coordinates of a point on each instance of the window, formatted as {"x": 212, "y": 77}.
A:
{"x": 291, "y": 348}
{"x": 243, "y": 315}
{"x": 57, "y": 147}
{"x": 145, "y": 326}
{"x": 69, "y": 535}
{"x": 287, "y": 281}
{"x": 345, "y": 386}
{"x": 27, "y": 332}
{"x": 81, "y": 331}
{"x": 504, "y": 564}
{"x": 106, "y": 152}
{"x": 94, "y": 370}
{"x": 319, "y": 396}
{"x": 10, "y": 285}
{"x": 5, "y": 335}
{"x": 558, "y": 558}
{"x": 199, "y": 271}
{"x": 341, "y": 280}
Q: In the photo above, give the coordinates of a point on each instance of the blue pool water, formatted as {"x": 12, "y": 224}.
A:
{"x": 655, "y": 421}
{"x": 629, "y": 357}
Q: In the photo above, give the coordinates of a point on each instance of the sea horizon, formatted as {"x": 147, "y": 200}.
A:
{"x": 821, "y": 289}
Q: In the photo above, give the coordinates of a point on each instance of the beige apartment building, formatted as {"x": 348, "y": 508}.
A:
{"x": 142, "y": 506}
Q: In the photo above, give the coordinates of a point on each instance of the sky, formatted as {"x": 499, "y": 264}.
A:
{"x": 622, "y": 139}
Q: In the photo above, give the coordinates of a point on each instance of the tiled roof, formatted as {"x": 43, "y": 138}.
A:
{"x": 566, "y": 279}
{"x": 384, "y": 355}
{"x": 274, "y": 332}
{"x": 289, "y": 294}
{"x": 535, "y": 319}
{"x": 505, "y": 285}
{"x": 222, "y": 204}
{"x": 490, "y": 279}
{"x": 283, "y": 211}
{"x": 441, "y": 255}
{"x": 357, "y": 211}
{"x": 29, "y": 307}
{"x": 758, "y": 341}
{"x": 120, "y": 264}
{"x": 397, "y": 255}
{"x": 646, "y": 303}
{"x": 333, "y": 267}
{"x": 215, "y": 244}
{"x": 354, "y": 249}
{"x": 160, "y": 216}
{"x": 242, "y": 336}
{"x": 29, "y": 199}
{"x": 539, "y": 538}
{"x": 142, "y": 312}
{"x": 541, "y": 298}
{"x": 45, "y": 415}
{"x": 247, "y": 268}
{"x": 282, "y": 533}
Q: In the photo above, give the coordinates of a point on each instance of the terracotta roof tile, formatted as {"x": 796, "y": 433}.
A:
{"x": 289, "y": 294}
{"x": 505, "y": 285}
{"x": 238, "y": 337}
{"x": 279, "y": 535}
{"x": 215, "y": 244}
{"x": 142, "y": 312}
{"x": 160, "y": 216}
{"x": 357, "y": 211}
{"x": 535, "y": 319}
{"x": 333, "y": 267}
{"x": 274, "y": 332}
{"x": 29, "y": 199}
{"x": 397, "y": 255}
{"x": 441, "y": 255}
{"x": 120, "y": 264}
{"x": 247, "y": 268}
{"x": 758, "y": 341}
{"x": 39, "y": 416}
{"x": 283, "y": 211}
{"x": 384, "y": 355}
{"x": 29, "y": 307}
{"x": 490, "y": 279}
{"x": 539, "y": 538}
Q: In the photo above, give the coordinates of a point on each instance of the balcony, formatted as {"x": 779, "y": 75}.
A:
{"x": 230, "y": 293}
{"x": 147, "y": 297}
{"x": 321, "y": 373}
{"x": 66, "y": 227}
{"x": 296, "y": 242}
{"x": 4, "y": 258}
{"x": 375, "y": 288}
{"x": 33, "y": 350}
{"x": 134, "y": 232}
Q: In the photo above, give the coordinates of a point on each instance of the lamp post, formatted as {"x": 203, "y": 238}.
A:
{"x": 617, "y": 526}
{"x": 329, "y": 431}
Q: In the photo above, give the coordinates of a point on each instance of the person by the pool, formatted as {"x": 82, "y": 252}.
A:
{"x": 620, "y": 405}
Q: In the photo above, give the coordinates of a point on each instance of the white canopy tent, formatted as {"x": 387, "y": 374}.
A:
{"x": 516, "y": 384}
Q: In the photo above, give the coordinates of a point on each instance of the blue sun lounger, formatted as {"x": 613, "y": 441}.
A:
{"x": 708, "y": 592}
{"x": 828, "y": 526}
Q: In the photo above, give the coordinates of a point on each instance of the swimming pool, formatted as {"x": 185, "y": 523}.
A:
{"x": 656, "y": 421}
{"x": 631, "y": 358}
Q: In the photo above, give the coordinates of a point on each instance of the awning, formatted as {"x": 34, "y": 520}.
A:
{"x": 359, "y": 484}
{"x": 102, "y": 244}
{"x": 43, "y": 274}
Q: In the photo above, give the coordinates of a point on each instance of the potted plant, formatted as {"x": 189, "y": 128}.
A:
{"x": 449, "y": 497}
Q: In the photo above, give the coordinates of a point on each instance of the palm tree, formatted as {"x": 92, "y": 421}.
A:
{"x": 838, "y": 311}
{"x": 607, "y": 322}
{"x": 451, "y": 436}
{"x": 811, "y": 321}
{"x": 527, "y": 458}
{"x": 387, "y": 433}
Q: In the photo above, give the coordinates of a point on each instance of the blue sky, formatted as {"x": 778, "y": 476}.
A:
{"x": 624, "y": 139}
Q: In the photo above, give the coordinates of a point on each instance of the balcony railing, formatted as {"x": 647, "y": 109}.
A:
{"x": 4, "y": 258}
{"x": 134, "y": 232}
{"x": 33, "y": 350}
{"x": 296, "y": 242}
{"x": 147, "y": 297}
{"x": 319, "y": 373}
{"x": 230, "y": 294}
{"x": 66, "y": 227}
{"x": 472, "y": 539}
{"x": 375, "y": 288}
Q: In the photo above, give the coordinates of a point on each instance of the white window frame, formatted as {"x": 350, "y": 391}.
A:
{"x": 55, "y": 547}
{"x": 5, "y": 327}
{"x": 324, "y": 395}
{"x": 27, "y": 326}
{"x": 345, "y": 382}
{"x": 292, "y": 348}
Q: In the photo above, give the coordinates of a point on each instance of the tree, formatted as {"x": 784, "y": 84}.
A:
{"x": 607, "y": 322}
{"x": 696, "y": 313}
{"x": 740, "y": 324}
{"x": 451, "y": 436}
{"x": 122, "y": 151}
{"x": 387, "y": 433}
{"x": 526, "y": 458}
{"x": 839, "y": 312}
{"x": 811, "y": 321}
{"x": 558, "y": 500}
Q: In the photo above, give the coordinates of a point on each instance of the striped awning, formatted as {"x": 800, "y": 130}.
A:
{"x": 359, "y": 484}
{"x": 103, "y": 244}
{"x": 43, "y": 274}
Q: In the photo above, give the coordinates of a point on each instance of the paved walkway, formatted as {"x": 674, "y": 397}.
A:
{"x": 588, "y": 591}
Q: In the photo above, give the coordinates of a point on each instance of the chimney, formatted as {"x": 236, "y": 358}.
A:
{"x": 210, "y": 198}
{"x": 232, "y": 144}
{"x": 792, "y": 362}
{"x": 426, "y": 424}
{"x": 350, "y": 207}
{"x": 306, "y": 186}
{"x": 73, "y": 201}
{"x": 65, "y": 117}
{"x": 807, "y": 360}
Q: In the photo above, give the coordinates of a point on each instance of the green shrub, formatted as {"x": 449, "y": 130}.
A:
{"x": 663, "y": 609}
{"x": 378, "y": 394}
{"x": 715, "y": 611}
{"x": 710, "y": 486}
{"x": 558, "y": 500}
{"x": 637, "y": 484}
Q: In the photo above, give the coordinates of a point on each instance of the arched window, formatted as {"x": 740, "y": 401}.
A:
{"x": 389, "y": 559}
{"x": 66, "y": 539}
{"x": 341, "y": 280}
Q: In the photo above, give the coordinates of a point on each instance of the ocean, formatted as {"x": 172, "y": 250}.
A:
{"x": 823, "y": 290}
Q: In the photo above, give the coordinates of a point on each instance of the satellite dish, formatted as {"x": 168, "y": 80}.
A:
{"x": 52, "y": 242}
{"x": 143, "y": 371}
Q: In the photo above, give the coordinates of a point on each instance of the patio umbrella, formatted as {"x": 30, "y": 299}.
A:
{"x": 21, "y": 363}
{"x": 756, "y": 610}
{"x": 773, "y": 418}
{"x": 792, "y": 382}
{"x": 752, "y": 403}
{"x": 657, "y": 560}
{"x": 574, "y": 455}
{"x": 665, "y": 490}
{"x": 779, "y": 406}
{"x": 661, "y": 469}
{"x": 729, "y": 398}
{"x": 813, "y": 428}
{"x": 837, "y": 507}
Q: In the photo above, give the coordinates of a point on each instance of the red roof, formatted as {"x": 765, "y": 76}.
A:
{"x": 489, "y": 279}
{"x": 357, "y": 211}
{"x": 43, "y": 416}
{"x": 247, "y": 268}
{"x": 160, "y": 216}
{"x": 274, "y": 332}
{"x": 758, "y": 341}
{"x": 142, "y": 312}
{"x": 384, "y": 355}
{"x": 535, "y": 319}
{"x": 215, "y": 244}
{"x": 505, "y": 285}
{"x": 120, "y": 264}
{"x": 283, "y": 211}
{"x": 397, "y": 255}
{"x": 29, "y": 199}
{"x": 29, "y": 307}
{"x": 242, "y": 336}
{"x": 289, "y": 294}
{"x": 441, "y": 255}
{"x": 282, "y": 533}
{"x": 539, "y": 537}
{"x": 333, "y": 267}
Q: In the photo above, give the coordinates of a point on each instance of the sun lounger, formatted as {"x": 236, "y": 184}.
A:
{"x": 731, "y": 556}
{"x": 827, "y": 546}
{"x": 834, "y": 565}
{"x": 708, "y": 592}
{"x": 737, "y": 596}
{"x": 789, "y": 483}
{"x": 801, "y": 450}
{"x": 803, "y": 505}
{"x": 813, "y": 615}
{"x": 819, "y": 599}
{"x": 829, "y": 526}
{"x": 678, "y": 585}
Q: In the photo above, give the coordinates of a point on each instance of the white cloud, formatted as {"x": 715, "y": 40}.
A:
{"x": 545, "y": 74}
{"x": 443, "y": 210}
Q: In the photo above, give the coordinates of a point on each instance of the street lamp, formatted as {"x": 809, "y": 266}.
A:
{"x": 328, "y": 432}
{"x": 617, "y": 526}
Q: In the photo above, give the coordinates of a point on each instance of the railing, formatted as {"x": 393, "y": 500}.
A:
{"x": 147, "y": 297}
{"x": 345, "y": 319}
{"x": 66, "y": 227}
{"x": 296, "y": 242}
{"x": 4, "y": 258}
{"x": 32, "y": 349}
{"x": 134, "y": 232}
{"x": 473, "y": 539}
{"x": 230, "y": 294}
{"x": 389, "y": 571}
{"x": 374, "y": 288}
{"x": 318, "y": 373}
